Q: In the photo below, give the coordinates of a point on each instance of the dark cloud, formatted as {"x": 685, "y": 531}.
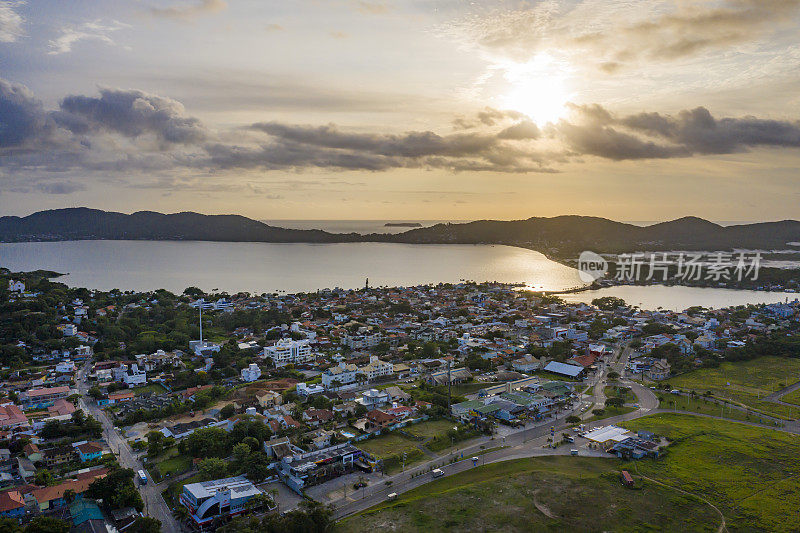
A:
{"x": 113, "y": 134}
{"x": 652, "y": 135}
{"x": 130, "y": 113}
{"x": 22, "y": 117}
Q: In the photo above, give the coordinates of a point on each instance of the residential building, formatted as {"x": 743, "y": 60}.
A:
{"x": 376, "y": 369}
{"x": 89, "y": 450}
{"x": 132, "y": 376}
{"x": 42, "y": 397}
{"x": 374, "y": 398}
{"x": 338, "y": 376}
{"x": 251, "y": 373}
{"x": 288, "y": 351}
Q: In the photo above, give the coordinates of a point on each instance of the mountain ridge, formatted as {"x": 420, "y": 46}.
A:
{"x": 560, "y": 235}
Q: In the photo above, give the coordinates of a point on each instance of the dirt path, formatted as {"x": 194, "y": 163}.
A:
{"x": 723, "y": 525}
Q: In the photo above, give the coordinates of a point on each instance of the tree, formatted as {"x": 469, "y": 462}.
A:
{"x": 572, "y": 419}
{"x": 613, "y": 375}
{"x": 43, "y": 477}
{"x": 45, "y": 524}
{"x": 598, "y": 412}
{"x": 253, "y": 443}
{"x": 208, "y": 442}
{"x": 227, "y": 411}
{"x": 155, "y": 443}
{"x": 241, "y": 452}
{"x": 615, "y": 402}
{"x": 608, "y": 303}
{"x": 9, "y": 525}
{"x": 213, "y": 468}
{"x": 145, "y": 524}
{"x": 69, "y": 495}
{"x": 116, "y": 490}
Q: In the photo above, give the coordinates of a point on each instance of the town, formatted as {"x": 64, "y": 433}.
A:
{"x": 124, "y": 411}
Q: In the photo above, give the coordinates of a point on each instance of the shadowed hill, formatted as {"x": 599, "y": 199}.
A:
{"x": 557, "y": 235}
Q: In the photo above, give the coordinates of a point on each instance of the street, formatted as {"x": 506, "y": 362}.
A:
{"x": 155, "y": 506}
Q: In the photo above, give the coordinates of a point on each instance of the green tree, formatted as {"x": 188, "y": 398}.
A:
{"x": 213, "y": 468}
{"x": 45, "y": 524}
{"x": 44, "y": 477}
{"x": 145, "y": 524}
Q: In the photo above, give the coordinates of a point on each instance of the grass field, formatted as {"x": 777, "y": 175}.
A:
{"x": 172, "y": 465}
{"x": 706, "y": 407}
{"x": 751, "y": 474}
{"x": 558, "y": 493}
{"x": 430, "y": 428}
{"x": 792, "y": 397}
{"x": 153, "y": 388}
{"x": 388, "y": 444}
{"x": 609, "y": 412}
{"x": 746, "y": 382}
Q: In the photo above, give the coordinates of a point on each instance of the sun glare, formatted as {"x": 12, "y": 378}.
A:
{"x": 537, "y": 88}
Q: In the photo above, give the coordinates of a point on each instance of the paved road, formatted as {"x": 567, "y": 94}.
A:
{"x": 527, "y": 442}
{"x": 155, "y": 506}
{"x": 776, "y": 396}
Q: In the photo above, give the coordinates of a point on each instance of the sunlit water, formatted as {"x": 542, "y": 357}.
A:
{"x": 678, "y": 298}
{"x": 268, "y": 267}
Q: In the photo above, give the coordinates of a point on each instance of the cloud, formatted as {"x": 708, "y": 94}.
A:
{"x": 596, "y": 131}
{"x": 188, "y": 11}
{"x": 372, "y": 8}
{"x": 124, "y": 133}
{"x": 131, "y": 113}
{"x": 22, "y": 117}
{"x": 273, "y": 27}
{"x": 10, "y": 22}
{"x": 88, "y": 31}
{"x": 60, "y": 187}
{"x": 614, "y": 34}
{"x": 339, "y": 35}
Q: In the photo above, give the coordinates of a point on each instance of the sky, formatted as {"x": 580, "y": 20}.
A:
{"x": 415, "y": 109}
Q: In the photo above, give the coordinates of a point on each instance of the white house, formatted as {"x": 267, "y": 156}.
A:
{"x": 16, "y": 286}
{"x": 307, "y": 390}
{"x": 373, "y": 398}
{"x": 69, "y": 330}
{"x": 251, "y": 373}
{"x": 376, "y": 368}
{"x": 343, "y": 374}
{"x": 65, "y": 367}
{"x": 132, "y": 376}
{"x": 288, "y": 351}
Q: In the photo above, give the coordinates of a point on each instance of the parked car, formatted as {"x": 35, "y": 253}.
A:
{"x": 437, "y": 472}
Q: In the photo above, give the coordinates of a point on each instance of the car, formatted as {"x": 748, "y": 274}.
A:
{"x": 392, "y": 496}
{"x": 437, "y": 472}
{"x": 569, "y": 439}
{"x": 675, "y": 391}
{"x": 573, "y": 452}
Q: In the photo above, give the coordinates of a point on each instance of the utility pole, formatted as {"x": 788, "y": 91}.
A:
{"x": 449, "y": 387}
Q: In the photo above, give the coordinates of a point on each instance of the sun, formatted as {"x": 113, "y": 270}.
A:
{"x": 537, "y": 88}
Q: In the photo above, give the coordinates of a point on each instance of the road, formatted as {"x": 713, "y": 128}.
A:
{"x": 526, "y": 442}
{"x": 155, "y": 506}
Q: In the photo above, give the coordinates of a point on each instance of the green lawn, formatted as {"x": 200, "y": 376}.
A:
{"x": 169, "y": 464}
{"x": 609, "y": 412}
{"x": 387, "y": 445}
{"x": 751, "y": 474}
{"x": 746, "y": 382}
{"x": 540, "y": 494}
{"x": 153, "y": 388}
{"x": 430, "y": 428}
{"x": 612, "y": 391}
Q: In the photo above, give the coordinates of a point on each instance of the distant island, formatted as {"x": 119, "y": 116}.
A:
{"x": 561, "y": 237}
{"x": 402, "y": 225}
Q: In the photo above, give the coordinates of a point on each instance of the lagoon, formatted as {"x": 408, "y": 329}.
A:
{"x": 270, "y": 267}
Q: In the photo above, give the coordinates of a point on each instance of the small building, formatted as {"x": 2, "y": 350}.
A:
{"x": 218, "y": 498}
{"x": 626, "y": 478}
{"x": 564, "y": 369}
{"x": 88, "y": 451}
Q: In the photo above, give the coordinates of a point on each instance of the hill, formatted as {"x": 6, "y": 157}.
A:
{"x": 559, "y": 236}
